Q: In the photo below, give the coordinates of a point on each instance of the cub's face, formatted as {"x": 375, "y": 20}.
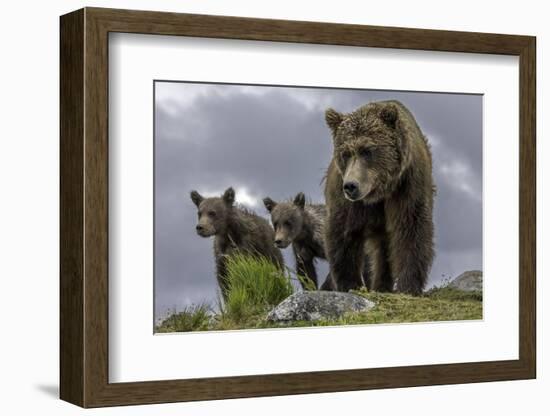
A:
{"x": 287, "y": 219}
{"x": 212, "y": 212}
{"x": 366, "y": 152}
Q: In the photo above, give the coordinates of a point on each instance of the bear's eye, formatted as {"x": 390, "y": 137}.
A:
{"x": 287, "y": 224}
{"x": 212, "y": 214}
{"x": 366, "y": 153}
{"x": 346, "y": 156}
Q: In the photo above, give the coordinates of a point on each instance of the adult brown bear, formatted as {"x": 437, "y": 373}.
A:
{"x": 379, "y": 194}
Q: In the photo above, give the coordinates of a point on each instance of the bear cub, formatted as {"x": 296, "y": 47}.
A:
{"x": 302, "y": 225}
{"x": 379, "y": 193}
{"x": 235, "y": 229}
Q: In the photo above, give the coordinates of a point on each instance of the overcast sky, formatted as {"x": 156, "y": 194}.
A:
{"x": 272, "y": 141}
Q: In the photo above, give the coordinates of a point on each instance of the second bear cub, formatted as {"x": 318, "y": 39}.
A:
{"x": 301, "y": 225}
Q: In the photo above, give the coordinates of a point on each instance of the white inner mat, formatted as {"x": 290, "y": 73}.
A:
{"x": 135, "y": 354}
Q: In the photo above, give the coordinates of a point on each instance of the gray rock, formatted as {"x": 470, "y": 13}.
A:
{"x": 469, "y": 281}
{"x": 317, "y": 305}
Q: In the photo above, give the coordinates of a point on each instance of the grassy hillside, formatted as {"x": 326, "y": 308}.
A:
{"x": 256, "y": 286}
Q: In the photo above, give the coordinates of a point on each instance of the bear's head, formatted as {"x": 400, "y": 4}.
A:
{"x": 370, "y": 150}
{"x": 213, "y": 212}
{"x": 287, "y": 219}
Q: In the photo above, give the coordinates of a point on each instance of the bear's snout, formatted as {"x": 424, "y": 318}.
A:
{"x": 351, "y": 189}
{"x": 203, "y": 231}
{"x": 281, "y": 243}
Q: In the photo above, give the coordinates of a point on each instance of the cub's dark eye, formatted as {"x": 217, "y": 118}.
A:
{"x": 287, "y": 224}
{"x": 366, "y": 153}
{"x": 346, "y": 156}
{"x": 212, "y": 214}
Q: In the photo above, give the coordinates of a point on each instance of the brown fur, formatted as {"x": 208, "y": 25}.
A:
{"x": 234, "y": 229}
{"x": 302, "y": 225}
{"x": 379, "y": 193}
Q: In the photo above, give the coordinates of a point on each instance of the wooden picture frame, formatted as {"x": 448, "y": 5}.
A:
{"x": 84, "y": 207}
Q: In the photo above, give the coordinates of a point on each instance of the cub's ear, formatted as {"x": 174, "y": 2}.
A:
{"x": 389, "y": 115}
{"x": 300, "y": 200}
{"x": 333, "y": 119}
{"x": 196, "y": 198}
{"x": 269, "y": 204}
{"x": 229, "y": 196}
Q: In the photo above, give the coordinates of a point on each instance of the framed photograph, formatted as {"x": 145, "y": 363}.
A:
{"x": 255, "y": 207}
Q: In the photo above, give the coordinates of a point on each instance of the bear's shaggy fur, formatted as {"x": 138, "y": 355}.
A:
{"x": 235, "y": 229}
{"x": 379, "y": 193}
{"x": 303, "y": 225}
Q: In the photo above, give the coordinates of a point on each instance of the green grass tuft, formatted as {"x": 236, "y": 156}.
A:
{"x": 192, "y": 318}
{"x": 306, "y": 282}
{"x": 254, "y": 284}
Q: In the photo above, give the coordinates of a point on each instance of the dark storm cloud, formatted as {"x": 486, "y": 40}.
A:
{"x": 273, "y": 141}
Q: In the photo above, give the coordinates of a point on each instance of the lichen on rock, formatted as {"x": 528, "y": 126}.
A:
{"x": 318, "y": 305}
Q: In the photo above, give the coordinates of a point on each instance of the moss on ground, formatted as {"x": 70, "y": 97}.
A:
{"x": 255, "y": 286}
{"x": 440, "y": 304}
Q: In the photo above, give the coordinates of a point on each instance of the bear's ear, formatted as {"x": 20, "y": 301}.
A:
{"x": 333, "y": 119}
{"x": 229, "y": 196}
{"x": 269, "y": 204}
{"x": 196, "y": 198}
{"x": 389, "y": 115}
{"x": 300, "y": 200}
